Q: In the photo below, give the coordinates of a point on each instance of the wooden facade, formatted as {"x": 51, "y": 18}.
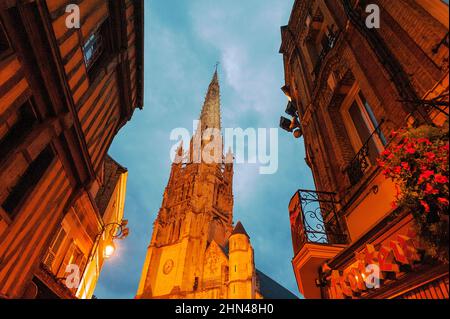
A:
{"x": 349, "y": 86}
{"x": 60, "y": 108}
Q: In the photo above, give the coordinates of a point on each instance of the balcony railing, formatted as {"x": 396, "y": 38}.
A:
{"x": 362, "y": 161}
{"x": 330, "y": 42}
{"x": 314, "y": 218}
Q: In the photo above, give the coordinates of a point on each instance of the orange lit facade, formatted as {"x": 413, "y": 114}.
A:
{"x": 64, "y": 95}
{"x": 349, "y": 87}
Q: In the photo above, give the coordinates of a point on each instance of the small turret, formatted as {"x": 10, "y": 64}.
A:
{"x": 242, "y": 272}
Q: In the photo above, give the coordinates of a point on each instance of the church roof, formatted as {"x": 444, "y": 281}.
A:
{"x": 239, "y": 229}
{"x": 270, "y": 289}
{"x": 111, "y": 175}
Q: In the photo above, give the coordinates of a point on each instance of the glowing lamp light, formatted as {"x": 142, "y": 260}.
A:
{"x": 109, "y": 251}
{"x": 298, "y": 133}
{"x": 287, "y": 91}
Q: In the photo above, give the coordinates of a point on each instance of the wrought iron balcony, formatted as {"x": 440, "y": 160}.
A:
{"x": 363, "y": 160}
{"x": 314, "y": 219}
{"x": 331, "y": 39}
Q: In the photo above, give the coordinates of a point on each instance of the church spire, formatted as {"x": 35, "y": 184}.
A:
{"x": 210, "y": 115}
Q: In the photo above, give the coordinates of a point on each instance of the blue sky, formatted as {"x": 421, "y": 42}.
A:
{"x": 183, "y": 41}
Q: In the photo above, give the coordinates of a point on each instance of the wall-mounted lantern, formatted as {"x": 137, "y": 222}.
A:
{"x": 116, "y": 231}
{"x": 287, "y": 91}
{"x": 109, "y": 250}
{"x": 292, "y": 126}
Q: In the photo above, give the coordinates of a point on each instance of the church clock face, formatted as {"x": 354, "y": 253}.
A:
{"x": 168, "y": 266}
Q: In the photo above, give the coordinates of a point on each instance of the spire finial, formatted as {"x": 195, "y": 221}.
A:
{"x": 216, "y": 66}
{"x": 210, "y": 114}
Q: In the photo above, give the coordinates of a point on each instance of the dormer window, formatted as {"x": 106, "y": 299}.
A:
{"x": 97, "y": 49}
{"x": 93, "y": 49}
{"x": 18, "y": 127}
{"x": 4, "y": 43}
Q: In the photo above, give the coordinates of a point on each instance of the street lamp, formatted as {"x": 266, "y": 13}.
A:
{"x": 109, "y": 250}
{"x": 292, "y": 126}
{"x": 118, "y": 231}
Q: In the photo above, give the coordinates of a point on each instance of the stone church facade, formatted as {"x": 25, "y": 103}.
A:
{"x": 195, "y": 252}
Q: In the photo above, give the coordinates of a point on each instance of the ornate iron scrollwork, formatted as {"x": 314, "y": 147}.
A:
{"x": 361, "y": 162}
{"x": 318, "y": 221}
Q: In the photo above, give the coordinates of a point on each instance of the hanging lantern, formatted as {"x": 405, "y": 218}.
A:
{"x": 287, "y": 91}
{"x": 298, "y": 133}
{"x": 285, "y": 124}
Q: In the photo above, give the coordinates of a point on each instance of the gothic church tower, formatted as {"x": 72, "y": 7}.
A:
{"x": 194, "y": 251}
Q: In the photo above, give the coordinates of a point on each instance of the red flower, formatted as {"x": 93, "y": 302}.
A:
{"x": 410, "y": 149}
{"x": 441, "y": 179}
{"x": 386, "y": 152}
{"x": 406, "y": 166}
{"x": 425, "y": 206}
{"x": 443, "y": 201}
{"x": 430, "y": 190}
{"x": 393, "y": 134}
{"x": 381, "y": 163}
{"x": 425, "y": 175}
{"x": 430, "y": 156}
{"x": 424, "y": 141}
{"x": 397, "y": 170}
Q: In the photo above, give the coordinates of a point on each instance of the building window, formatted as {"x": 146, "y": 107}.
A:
{"x": 4, "y": 43}
{"x": 362, "y": 125}
{"x": 19, "y": 126}
{"x": 28, "y": 181}
{"x": 50, "y": 258}
{"x": 195, "y": 283}
{"x": 78, "y": 259}
{"x": 93, "y": 48}
{"x": 68, "y": 254}
{"x": 97, "y": 49}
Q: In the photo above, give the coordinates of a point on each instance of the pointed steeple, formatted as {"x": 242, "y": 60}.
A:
{"x": 210, "y": 115}
{"x": 229, "y": 157}
{"x": 239, "y": 229}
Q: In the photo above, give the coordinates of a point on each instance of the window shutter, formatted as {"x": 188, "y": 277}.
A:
{"x": 53, "y": 249}
{"x": 67, "y": 260}
{"x": 82, "y": 265}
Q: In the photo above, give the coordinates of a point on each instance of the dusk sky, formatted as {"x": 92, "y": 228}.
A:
{"x": 183, "y": 41}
